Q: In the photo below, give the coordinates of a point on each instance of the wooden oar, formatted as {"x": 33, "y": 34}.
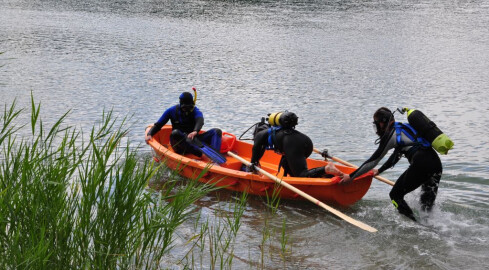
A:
{"x": 307, "y": 196}
{"x": 380, "y": 178}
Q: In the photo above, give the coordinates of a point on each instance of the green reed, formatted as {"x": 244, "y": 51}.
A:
{"x": 268, "y": 233}
{"x": 70, "y": 200}
{"x": 74, "y": 200}
{"x": 284, "y": 241}
{"x": 216, "y": 238}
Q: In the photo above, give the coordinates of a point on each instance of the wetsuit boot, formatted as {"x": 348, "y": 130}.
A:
{"x": 404, "y": 208}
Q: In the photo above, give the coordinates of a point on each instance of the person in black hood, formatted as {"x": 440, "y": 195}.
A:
{"x": 187, "y": 120}
{"x": 294, "y": 146}
{"x": 425, "y": 167}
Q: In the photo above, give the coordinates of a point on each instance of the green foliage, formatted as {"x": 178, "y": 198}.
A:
{"x": 69, "y": 202}
{"x": 74, "y": 200}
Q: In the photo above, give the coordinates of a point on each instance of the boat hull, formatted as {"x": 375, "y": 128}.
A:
{"x": 231, "y": 175}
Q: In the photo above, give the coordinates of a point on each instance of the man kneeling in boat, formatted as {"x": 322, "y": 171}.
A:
{"x": 294, "y": 146}
{"x": 187, "y": 120}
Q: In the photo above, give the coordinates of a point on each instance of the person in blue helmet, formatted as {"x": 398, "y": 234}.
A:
{"x": 187, "y": 121}
{"x": 425, "y": 168}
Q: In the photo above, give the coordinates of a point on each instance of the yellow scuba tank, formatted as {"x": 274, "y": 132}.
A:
{"x": 273, "y": 118}
{"x": 284, "y": 119}
{"x": 428, "y": 130}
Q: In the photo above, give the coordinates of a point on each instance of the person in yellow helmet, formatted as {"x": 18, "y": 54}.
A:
{"x": 425, "y": 167}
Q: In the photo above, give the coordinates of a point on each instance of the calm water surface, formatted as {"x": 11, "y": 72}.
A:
{"x": 332, "y": 62}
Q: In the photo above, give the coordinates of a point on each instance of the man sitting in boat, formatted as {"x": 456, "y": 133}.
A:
{"x": 187, "y": 120}
{"x": 293, "y": 145}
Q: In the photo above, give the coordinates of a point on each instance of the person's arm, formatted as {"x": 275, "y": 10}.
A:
{"x": 199, "y": 123}
{"x": 384, "y": 147}
{"x": 199, "y": 119}
{"x": 259, "y": 146}
{"x": 165, "y": 117}
{"x": 393, "y": 159}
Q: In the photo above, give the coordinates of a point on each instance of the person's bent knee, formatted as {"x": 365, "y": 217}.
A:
{"x": 176, "y": 132}
{"x": 217, "y": 131}
{"x": 177, "y": 141}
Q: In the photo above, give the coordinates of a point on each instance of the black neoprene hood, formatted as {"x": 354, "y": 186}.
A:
{"x": 186, "y": 98}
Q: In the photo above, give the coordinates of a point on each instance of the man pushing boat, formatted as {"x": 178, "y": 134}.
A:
{"x": 417, "y": 142}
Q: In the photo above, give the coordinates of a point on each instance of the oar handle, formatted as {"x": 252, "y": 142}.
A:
{"x": 307, "y": 196}
{"x": 339, "y": 160}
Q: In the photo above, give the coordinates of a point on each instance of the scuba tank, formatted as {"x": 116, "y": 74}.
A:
{"x": 283, "y": 119}
{"x": 280, "y": 120}
{"x": 428, "y": 130}
{"x": 274, "y": 120}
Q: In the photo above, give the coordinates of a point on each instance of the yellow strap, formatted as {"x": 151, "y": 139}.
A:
{"x": 395, "y": 204}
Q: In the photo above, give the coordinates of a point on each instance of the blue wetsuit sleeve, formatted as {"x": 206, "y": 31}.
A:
{"x": 199, "y": 119}
{"x": 384, "y": 147}
{"x": 165, "y": 117}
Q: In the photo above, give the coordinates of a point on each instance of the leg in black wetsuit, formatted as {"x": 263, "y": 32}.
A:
{"x": 297, "y": 147}
{"x": 425, "y": 170}
{"x": 179, "y": 144}
{"x": 429, "y": 191}
{"x": 312, "y": 173}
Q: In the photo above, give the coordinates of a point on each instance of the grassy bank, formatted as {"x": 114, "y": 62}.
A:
{"x": 71, "y": 200}
{"x": 75, "y": 200}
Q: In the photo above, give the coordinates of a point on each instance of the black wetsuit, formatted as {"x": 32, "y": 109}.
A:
{"x": 425, "y": 170}
{"x": 294, "y": 146}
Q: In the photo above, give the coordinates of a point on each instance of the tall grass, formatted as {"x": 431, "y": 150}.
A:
{"x": 75, "y": 200}
{"x": 70, "y": 200}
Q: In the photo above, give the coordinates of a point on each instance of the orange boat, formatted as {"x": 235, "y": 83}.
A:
{"x": 230, "y": 174}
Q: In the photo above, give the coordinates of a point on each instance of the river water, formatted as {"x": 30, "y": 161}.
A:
{"x": 333, "y": 63}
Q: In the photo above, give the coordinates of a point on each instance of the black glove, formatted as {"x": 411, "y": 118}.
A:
{"x": 325, "y": 153}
